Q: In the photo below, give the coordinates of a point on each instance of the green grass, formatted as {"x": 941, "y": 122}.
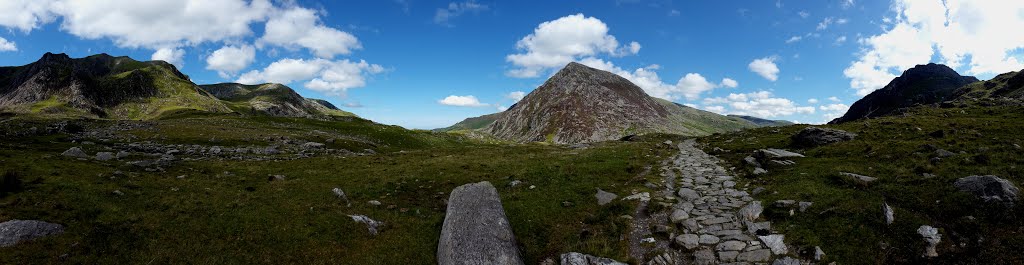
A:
{"x": 846, "y": 220}
{"x": 212, "y": 217}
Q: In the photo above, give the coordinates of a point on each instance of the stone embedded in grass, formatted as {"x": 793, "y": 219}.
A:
{"x": 770, "y": 153}
{"x": 575, "y": 258}
{"x": 341, "y": 194}
{"x": 786, "y": 261}
{"x": 777, "y": 243}
{"x": 805, "y": 205}
{"x": 760, "y": 171}
{"x": 104, "y": 156}
{"x": 75, "y": 152}
{"x": 814, "y": 136}
{"x": 887, "y": 211}
{"x": 275, "y": 178}
{"x": 818, "y": 253}
{"x": 932, "y": 237}
{"x": 989, "y": 188}
{"x": 859, "y": 179}
{"x": 16, "y": 231}
{"x": 373, "y": 226}
{"x": 752, "y": 211}
{"x": 475, "y": 229}
{"x": 643, "y": 196}
{"x": 604, "y": 197}
{"x": 750, "y": 160}
{"x": 122, "y": 154}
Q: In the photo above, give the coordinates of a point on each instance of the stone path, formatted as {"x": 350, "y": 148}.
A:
{"x": 711, "y": 220}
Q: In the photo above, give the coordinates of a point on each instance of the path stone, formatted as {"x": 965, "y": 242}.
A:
{"x": 689, "y": 241}
{"x": 760, "y": 255}
{"x": 776, "y": 243}
{"x": 475, "y": 229}
{"x": 575, "y": 258}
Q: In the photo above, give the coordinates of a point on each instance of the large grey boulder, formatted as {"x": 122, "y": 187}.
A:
{"x": 16, "y": 231}
{"x": 475, "y": 229}
{"x": 75, "y": 152}
{"x": 574, "y": 258}
{"x": 989, "y": 188}
{"x": 814, "y": 137}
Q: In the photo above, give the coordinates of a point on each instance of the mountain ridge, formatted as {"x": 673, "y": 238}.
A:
{"x": 920, "y": 85}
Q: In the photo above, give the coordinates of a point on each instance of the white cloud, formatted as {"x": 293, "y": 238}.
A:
{"x": 833, "y": 111}
{"x": 516, "y": 95}
{"x": 301, "y": 27}
{"x": 730, "y": 83}
{"x": 759, "y": 104}
{"x": 794, "y": 39}
{"x": 462, "y": 101}
{"x": 812, "y": 101}
{"x": 333, "y": 77}
{"x": 834, "y": 99}
{"x": 825, "y": 23}
{"x": 170, "y": 55}
{"x": 7, "y": 46}
{"x": 160, "y": 23}
{"x": 846, "y": 3}
{"x": 673, "y": 13}
{"x": 25, "y": 15}
{"x": 840, "y": 40}
{"x": 842, "y": 21}
{"x": 444, "y": 15}
{"x": 804, "y": 14}
{"x": 228, "y": 60}
{"x": 765, "y": 67}
{"x": 967, "y": 35}
{"x": 558, "y": 42}
{"x": 501, "y": 108}
{"x": 690, "y": 86}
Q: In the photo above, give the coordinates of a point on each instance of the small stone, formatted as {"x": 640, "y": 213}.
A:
{"x": 860, "y": 179}
{"x": 731, "y": 245}
{"x": 575, "y": 258}
{"x": 752, "y": 161}
{"x": 75, "y": 152}
{"x": 643, "y": 196}
{"x": 688, "y": 194}
{"x": 104, "y": 156}
{"x": 678, "y": 216}
{"x": 567, "y": 204}
{"x": 818, "y": 253}
{"x": 709, "y": 239}
{"x": 786, "y": 261}
{"x": 533, "y": 187}
{"x": 752, "y": 211}
{"x": 371, "y": 225}
{"x": 887, "y": 211}
{"x": 514, "y": 183}
{"x": 757, "y": 191}
{"x": 341, "y": 194}
{"x": 932, "y": 237}
{"x": 759, "y": 171}
{"x": 688, "y": 241}
{"x": 118, "y": 193}
{"x": 604, "y": 197}
{"x": 804, "y": 205}
{"x": 275, "y": 178}
{"x": 374, "y": 203}
{"x": 784, "y": 203}
{"x": 776, "y": 243}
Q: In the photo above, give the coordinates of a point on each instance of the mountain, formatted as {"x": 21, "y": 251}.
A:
{"x": 100, "y": 86}
{"x": 272, "y": 100}
{"x": 923, "y": 84}
{"x": 1008, "y": 87}
{"x": 473, "y": 123}
{"x": 582, "y": 104}
{"x": 763, "y": 122}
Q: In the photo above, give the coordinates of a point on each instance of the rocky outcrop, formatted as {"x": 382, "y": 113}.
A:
{"x": 815, "y": 136}
{"x": 921, "y": 85}
{"x": 475, "y": 229}
{"x": 989, "y": 188}
{"x": 16, "y": 231}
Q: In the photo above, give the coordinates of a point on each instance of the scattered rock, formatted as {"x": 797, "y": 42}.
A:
{"x": 567, "y": 204}
{"x": 709, "y": 239}
{"x": 989, "y": 188}
{"x": 604, "y": 197}
{"x": 371, "y": 225}
{"x": 688, "y": 241}
{"x": 104, "y": 156}
{"x": 341, "y": 194}
{"x": 514, "y": 183}
{"x": 752, "y": 211}
{"x": 818, "y": 253}
{"x": 814, "y": 136}
{"x": 859, "y": 179}
{"x": 776, "y": 243}
{"x": 770, "y": 153}
{"x": 759, "y": 171}
{"x": 784, "y": 203}
{"x": 750, "y": 160}
{"x": 312, "y": 145}
{"x": 75, "y": 152}
{"x": 215, "y": 150}
{"x": 942, "y": 153}
{"x": 757, "y": 191}
{"x": 117, "y": 192}
{"x": 374, "y": 202}
{"x": 643, "y": 196}
{"x": 804, "y": 205}
{"x": 122, "y": 154}
{"x": 574, "y": 258}
{"x": 932, "y": 237}
{"x": 475, "y": 229}
{"x": 889, "y": 218}
{"x": 678, "y": 216}
{"x": 786, "y": 261}
{"x": 281, "y": 178}
{"x": 668, "y": 142}
{"x": 16, "y": 231}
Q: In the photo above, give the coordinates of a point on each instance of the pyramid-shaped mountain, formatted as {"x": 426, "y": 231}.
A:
{"x": 923, "y": 84}
{"x": 581, "y": 104}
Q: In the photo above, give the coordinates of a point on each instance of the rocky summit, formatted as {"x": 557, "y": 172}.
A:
{"x": 921, "y": 85}
{"x": 580, "y": 104}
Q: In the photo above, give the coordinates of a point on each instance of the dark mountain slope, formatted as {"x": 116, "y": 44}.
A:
{"x": 923, "y": 84}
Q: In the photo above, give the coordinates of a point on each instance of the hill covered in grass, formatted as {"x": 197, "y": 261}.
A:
{"x": 272, "y": 100}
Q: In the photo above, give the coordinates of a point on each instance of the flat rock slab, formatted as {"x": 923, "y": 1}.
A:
{"x": 16, "y": 231}
{"x": 989, "y": 188}
{"x": 475, "y": 229}
{"x": 574, "y": 258}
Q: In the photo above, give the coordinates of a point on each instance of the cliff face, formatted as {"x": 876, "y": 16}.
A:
{"x": 923, "y": 84}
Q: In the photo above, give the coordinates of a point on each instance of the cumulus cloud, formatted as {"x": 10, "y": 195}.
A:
{"x": 765, "y": 67}
{"x": 812, "y": 101}
{"x": 516, "y": 95}
{"x": 970, "y": 35}
{"x": 834, "y": 99}
{"x": 462, "y": 101}
{"x": 333, "y": 77}
{"x": 444, "y": 15}
{"x": 301, "y": 27}
{"x": 794, "y": 39}
{"x": 170, "y": 55}
{"x": 730, "y": 83}
{"x": 7, "y": 46}
{"x": 228, "y": 60}
{"x": 690, "y": 86}
{"x": 833, "y": 111}
{"x": 759, "y": 104}
{"x": 846, "y": 3}
{"x": 840, "y": 40}
{"x": 26, "y": 15}
{"x": 825, "y": 23}
{"x": 558, "y": 42}
{"x": 803, "y": 14}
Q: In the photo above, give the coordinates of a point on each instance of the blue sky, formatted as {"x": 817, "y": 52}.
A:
{"x": 428, "y": 64}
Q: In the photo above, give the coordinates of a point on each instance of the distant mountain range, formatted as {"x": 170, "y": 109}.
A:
{"x": 103, "y": 86}
{"x": 763, "y": 122}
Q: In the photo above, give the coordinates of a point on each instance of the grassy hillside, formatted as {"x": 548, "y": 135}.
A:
{"x": 474, "y": 123}
{"x": 219, "y": 209}
{"x": 272, "y": 100}
{"x": 689, "y": 121}
{"x": 846, "y": 219}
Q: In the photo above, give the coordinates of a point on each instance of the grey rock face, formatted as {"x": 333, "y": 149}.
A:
{"x": 371, "y": 225}
{"x": 574, "y": 258}
{"x": 475, "y": 229}
{"x": 932, "y": 237}
{"x": 16, "y": 231}
{"x": 814, "y": 136}
{"x": 75, "y": 152}
{"x": 604, "y": 197}
{"x": 989, "y": 188}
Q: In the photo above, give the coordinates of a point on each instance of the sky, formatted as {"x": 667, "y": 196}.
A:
{"x": 428, "y": 64}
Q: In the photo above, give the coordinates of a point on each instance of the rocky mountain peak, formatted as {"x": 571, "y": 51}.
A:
{"x": 923, "y": 84}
